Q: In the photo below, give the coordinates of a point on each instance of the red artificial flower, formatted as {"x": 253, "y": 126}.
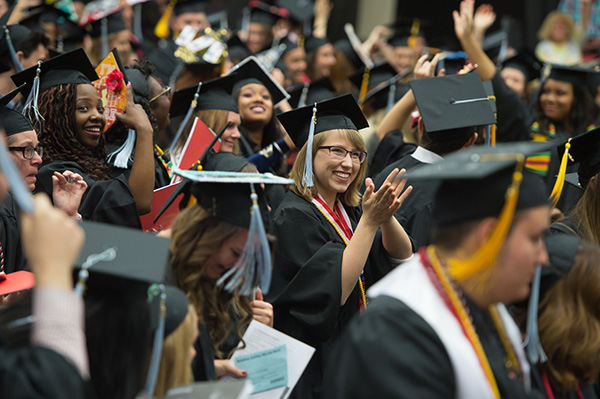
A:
{"x": 114, "y": 81}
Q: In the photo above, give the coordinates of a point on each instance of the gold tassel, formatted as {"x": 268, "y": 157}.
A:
{"x": 493, "y": 135}
{"x": 486, "y": 255}
{"x": 161, "y": 30}
{"x": 414, "y": 32}
{"x": 560, "y": 179}
{"x": 364, "y": 85}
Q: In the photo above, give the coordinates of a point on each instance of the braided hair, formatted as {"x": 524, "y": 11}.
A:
{"x": 58, "y": 133}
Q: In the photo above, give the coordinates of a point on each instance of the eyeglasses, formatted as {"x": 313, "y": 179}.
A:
{"x": 165, "y": 92}
{"x": 29, "y": 151}
{"x": 339, "y": 153}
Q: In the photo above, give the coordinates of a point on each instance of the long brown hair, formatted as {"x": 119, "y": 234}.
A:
{"x": 352, "y": 196}
{"x": 587, "y": 212}
{"x": 215, "y": 119}
{"x": 569, "y": 322}
{"x": 195, "y": 236}
{"x": 58, "y": 134}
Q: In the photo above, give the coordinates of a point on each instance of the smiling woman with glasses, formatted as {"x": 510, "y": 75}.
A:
{"x": 329, "y": 248}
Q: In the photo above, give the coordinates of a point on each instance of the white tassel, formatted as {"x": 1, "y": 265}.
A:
{"x": 105, "y": 256}
{"x": 122, "y": 155}
{"x": 137, "y": 22}
{"x": 307, "y": 179}
{"x": 253, "y": 268}
{"x": 156, "y": 289}
{"x": 30, "y": 110}
{"x": 532, "y": 343}
{"x": 303, "y": 96}
{"x": 391, "y": 98}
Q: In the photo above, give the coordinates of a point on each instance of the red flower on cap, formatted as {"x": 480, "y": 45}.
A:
{"x": 114, "y": 81}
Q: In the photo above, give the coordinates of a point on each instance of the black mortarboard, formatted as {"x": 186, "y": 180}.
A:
{"x": 450, "y": 103}
{"x": 12, "y": 121}
{"x": 526, "y": 63}
{"x": 387, "y": 93}
{"x": 185, "y": 6}
{"x": 290, "y": 44}
{"x": 214, "y": 94}
{"x": 17, "y": 35}
{"x": 139, "y": 83}
{"x": 495, "y": 45}
{"x": 594, "y": 81}
{"x": 299, "y": 10}
{"x": 310, "y": 93}
{"x": 585, "y": 150}
{"x": 341, "y": 112}
{"x": 573, "y": 180}
{"x": 566, "y": 73}
{"x": 474, "y": 182}
{"x": 44, "y": 13}
{"x": 71, "y": 67}
{"x": 262, "y": 13}
{"x": 114, "y": 22}
{"x": 347, "y": 49}
{"x": 377, "y": 75}
{"x": 489, "y": 90}
{"x": 562, "y": 249}
{"x": 405, "y": 30}
{"x": 250, "y": 71}
{"x": 312, "y": 43}
{"x": 237, "y": 49}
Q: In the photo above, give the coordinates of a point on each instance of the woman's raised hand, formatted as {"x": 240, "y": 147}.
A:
{"x": 133, "y": 115}
{"x": 379, "y": 206}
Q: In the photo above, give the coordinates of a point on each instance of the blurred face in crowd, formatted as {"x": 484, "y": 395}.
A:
{"x": 295, "y": 64}
{"x": 560, "y": 31}
{"x": 89, "y": 115}
{"x": 255, "y": 104}
{"x": 258, "y": 37}
{"x": 196, "y": 20}
{"x": 403, "y": 58}
{"x": 28, "y": 168}
{"x": 324, "y": 60}
{"x": 515, "y": 80}
{"x": 39, "y": 54}
{"x": 120, "y": 40}
{"x": 556, "y": 100}
{"x": 232, "y": 133}
{"x": 226, "y": 256}
{"x": 161, "y": 104}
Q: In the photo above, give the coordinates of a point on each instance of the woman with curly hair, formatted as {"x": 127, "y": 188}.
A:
{"x": 69, "y": 114}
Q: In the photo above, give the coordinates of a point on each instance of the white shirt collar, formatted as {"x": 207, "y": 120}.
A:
{"x": 424, "y": 155}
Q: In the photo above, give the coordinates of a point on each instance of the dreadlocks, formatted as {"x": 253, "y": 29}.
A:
{"x": 58, "y": 134}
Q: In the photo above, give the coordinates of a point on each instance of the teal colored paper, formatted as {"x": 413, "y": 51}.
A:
{"x": 266, "y": 369}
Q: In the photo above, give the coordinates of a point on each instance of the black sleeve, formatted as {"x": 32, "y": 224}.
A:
{"x": 514, "y": 116}
{"x": 105, "y": 201}
{"x": 389, "y": 352}
{"x": 10, "y": 236}
{"x": 37, "y": 372}
{"x": 391, "y": 148}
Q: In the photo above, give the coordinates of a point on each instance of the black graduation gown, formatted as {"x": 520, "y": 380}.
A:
{"x": 161, "y": 176}
{"x": 568, "y": 225}
{"x": 415, "y": 213}
{"x": 513, "y": 114}
{"x": 10, "y": 237}
{"x": 391, "y": 148}
{"x": 106, "y": 201}
{"x": 389, "y": 351}
{"x": 306, "y": 283}
{"x": 203, "y": 365}
{"x": 31, "y": 372}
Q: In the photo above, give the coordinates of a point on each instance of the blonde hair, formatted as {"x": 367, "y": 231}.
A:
{"x": 195, "y": 237}
{"x": 545, "y": 32}
{"x": 175, "y": 364}
{"x": 352, "y": 196}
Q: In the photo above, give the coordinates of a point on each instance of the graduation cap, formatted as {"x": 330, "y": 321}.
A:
{"x": 376, "y": 75}
{"x": 104, "y": 24}
{"x": 387, "y": 93}
{"x": 567, "y": 73}
{"x": 12, "y": 121}
{"x": 313, "y": 43}
{"x": 187, "y": 6}
{"x": 309, "y": 93}
{"x": 482, "y": 182}
{"x": 72, "y": 67}
{"x": 449, "y": 104}
{"x": 139, "y": 83}
{"x": 265, "y": 14}
{"x": 495, "y": 45}
{"x": 351, "y": 55}
{"x": 583, "y": 149}
{"x": 300, "y": 11}
{"x": 251, "y": 71}
{"x": 237, "y": 49}
{"x": 118, "y": 259}
{"x": 303, "y": 123}
{"x": 527, "y": 63}
{"x": 12, "y": 36}
{"x": 406, "y": 31}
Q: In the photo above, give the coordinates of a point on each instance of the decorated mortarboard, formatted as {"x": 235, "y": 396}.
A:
{"x": 302, "y": 124}
{"x": 12, "y": 121}
{"x": 189, "y": 6}
{"x": 567, "y": 73}
{"x": 104, "y": 17}
{"x": 309, "y": 93}
{"x": 251, "y": 71}
{"x": 313, "y": 43}
{"x": 198, "y": 51}
{"x": 527, "y": 63}
{"x": 583, "y": 149}
{"x": 482, "y": 182}
{"x": 448, "y": 104}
